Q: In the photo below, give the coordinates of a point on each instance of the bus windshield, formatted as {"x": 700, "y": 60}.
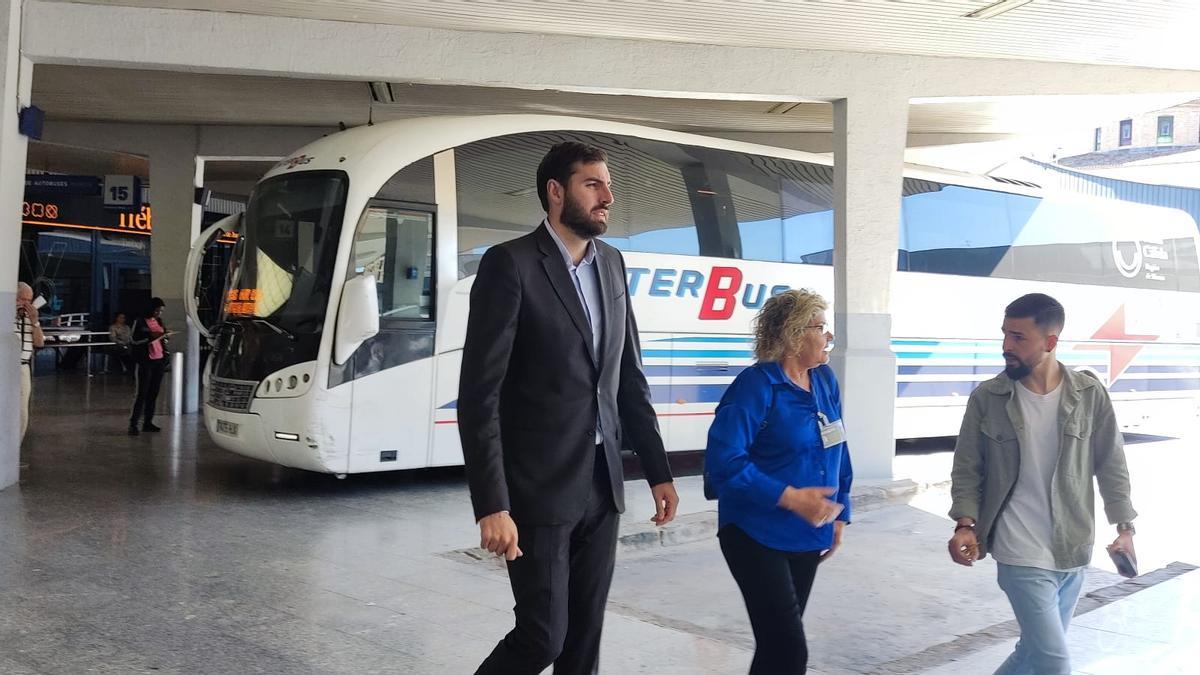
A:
{"x": 278, "y": 289}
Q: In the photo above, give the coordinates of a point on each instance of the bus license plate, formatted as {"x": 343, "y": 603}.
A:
{"x": 227, "y": 428}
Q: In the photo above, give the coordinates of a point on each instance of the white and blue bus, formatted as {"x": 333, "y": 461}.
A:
{"x": 339, "y": 343}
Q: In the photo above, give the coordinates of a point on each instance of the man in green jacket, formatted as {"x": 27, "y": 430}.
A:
{"x": 1032, "y": 440}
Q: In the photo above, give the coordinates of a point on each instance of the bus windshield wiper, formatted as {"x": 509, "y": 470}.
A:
{"x": 275, "y": 328}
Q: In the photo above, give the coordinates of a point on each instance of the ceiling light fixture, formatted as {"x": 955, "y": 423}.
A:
{"x": 381, "y": 92}
{"x": 996, "y": 9}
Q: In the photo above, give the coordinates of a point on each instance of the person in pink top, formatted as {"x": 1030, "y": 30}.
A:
{"x": 149, "y": 352}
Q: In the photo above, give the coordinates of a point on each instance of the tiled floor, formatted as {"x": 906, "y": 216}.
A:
{"x": 161, "y": 553}
{"x": 1152, "y": 631}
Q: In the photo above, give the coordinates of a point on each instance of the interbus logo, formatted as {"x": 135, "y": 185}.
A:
{"x": 293, "y": 162}
{"x": 720, "y": 291}
{"x": 1145, "y": 256}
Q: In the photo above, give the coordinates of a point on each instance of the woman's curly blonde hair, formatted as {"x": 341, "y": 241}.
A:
{"x": 781, "y": 322}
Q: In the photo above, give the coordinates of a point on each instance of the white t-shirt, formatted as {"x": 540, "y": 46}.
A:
{"x": 1023, "y": 528}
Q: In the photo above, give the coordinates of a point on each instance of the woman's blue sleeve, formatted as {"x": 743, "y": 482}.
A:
{"x": 727, "y": 459}
{"x": 846, "y": 472}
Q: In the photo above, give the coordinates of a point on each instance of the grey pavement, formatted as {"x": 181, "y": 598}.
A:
{"x": 165, "y": 554}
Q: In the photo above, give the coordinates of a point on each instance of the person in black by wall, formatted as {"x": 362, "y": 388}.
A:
{"x": 150, "y": 355}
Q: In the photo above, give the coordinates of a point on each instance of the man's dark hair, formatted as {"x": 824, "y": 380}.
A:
{"x": 1048, "y": 315}
{"x": 559, "y": 164}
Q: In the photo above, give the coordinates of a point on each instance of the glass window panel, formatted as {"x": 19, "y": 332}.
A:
{"x": 669, "y": 199}
{"x": 65, "y": 266}
{"x": 396, "y": 246}
{"x": 1166, "y": 129}
{"x": 948, "y": 229}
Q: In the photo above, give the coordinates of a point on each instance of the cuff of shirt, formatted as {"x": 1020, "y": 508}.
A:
{"x": 769, "y": 491}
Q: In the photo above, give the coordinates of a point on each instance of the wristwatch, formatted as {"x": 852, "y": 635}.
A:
{"x": 1125, "y": 527}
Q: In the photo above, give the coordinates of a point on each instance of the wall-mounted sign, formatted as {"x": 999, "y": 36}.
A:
{"x": 139, "y": 221}
{"x": 39, "y": 211}
{"x": 122, "y": 191}
{"x": 84, "y": 213}
{"x": 80, "y": 186}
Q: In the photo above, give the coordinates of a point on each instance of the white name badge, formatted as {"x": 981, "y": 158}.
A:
{"x": 832, "y": 433}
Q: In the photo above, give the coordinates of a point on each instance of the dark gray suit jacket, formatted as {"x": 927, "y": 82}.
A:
{"x": 531, "y": 389}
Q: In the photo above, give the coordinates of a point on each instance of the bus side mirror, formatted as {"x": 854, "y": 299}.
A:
{"x": 358, "y": 317}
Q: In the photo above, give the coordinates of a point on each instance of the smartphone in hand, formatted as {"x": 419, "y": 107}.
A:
{"x": 1126, "y": 565}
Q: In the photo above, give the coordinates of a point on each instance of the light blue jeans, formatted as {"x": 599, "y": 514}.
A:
{"x": 1043, "y": 602}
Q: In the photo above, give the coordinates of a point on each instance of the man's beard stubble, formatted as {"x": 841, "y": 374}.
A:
{"x": 580, "y": 222}
{"x": 1019, "y": 371}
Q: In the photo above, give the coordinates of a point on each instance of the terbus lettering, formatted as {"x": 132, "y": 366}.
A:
{"x": 719, "y": 290}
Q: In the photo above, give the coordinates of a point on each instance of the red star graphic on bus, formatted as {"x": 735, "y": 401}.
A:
{"x": 1120, "y": 354}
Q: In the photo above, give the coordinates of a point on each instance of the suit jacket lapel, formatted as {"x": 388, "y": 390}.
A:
{"x": 560, "y": 281}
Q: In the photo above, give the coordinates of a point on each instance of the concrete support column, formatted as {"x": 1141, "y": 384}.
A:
{"x": 172, "y": 153}
{"x": 869, "y": 139}
{"x": 16, "y": 74}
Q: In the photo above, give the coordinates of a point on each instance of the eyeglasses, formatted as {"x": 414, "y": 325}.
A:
{"x": 819, "y": 326}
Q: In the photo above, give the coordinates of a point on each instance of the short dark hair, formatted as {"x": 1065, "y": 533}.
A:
{"x": 559, "y": 164}
{"x": 1048, "y": 315}
{"x": 153, "y": 305}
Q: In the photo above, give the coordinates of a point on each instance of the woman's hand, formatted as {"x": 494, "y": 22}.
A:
{"x": 811, "y": 504}
{"x": 838, "y": 526}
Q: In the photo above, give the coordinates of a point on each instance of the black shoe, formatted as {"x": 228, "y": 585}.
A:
{"x": 150, "y": 427}
{"x": 133, "y": 431}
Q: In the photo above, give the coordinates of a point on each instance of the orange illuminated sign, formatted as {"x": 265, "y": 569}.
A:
{"x": 45, "y": 213}
{"x": 39, "y": 210}
{"x": 242, "y": 302}
{"x": 136, "y": 221}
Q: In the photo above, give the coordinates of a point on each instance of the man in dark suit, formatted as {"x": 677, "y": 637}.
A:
{"x": 551, "y": 389}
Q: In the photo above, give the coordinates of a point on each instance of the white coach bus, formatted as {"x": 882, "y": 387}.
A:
{"x": 339, "y": 343}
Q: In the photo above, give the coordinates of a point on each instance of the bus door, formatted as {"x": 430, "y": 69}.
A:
{"x": 202, "y": 299}
{"x": 393, "y": 372}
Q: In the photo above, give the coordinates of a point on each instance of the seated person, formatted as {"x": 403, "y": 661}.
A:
{"x": 121, "y": 333}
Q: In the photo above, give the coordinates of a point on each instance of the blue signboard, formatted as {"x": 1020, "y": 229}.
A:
{"x": 78, "y": 186}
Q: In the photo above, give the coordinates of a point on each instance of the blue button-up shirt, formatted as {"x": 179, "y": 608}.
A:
{"x": 749, "y": 465}
{"x": 586, "y": 278}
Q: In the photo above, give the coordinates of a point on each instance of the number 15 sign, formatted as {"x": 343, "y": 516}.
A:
{"x": 122, "y": 191}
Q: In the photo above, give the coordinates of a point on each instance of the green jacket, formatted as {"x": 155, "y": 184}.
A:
{"x": 987, "y": 460}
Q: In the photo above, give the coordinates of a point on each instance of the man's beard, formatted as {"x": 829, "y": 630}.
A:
{"x": 1018, "y": 371}
{"x": 581, "y": 222}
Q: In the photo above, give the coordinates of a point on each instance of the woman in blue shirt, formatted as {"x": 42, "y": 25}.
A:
{"x": 778, "y": 463}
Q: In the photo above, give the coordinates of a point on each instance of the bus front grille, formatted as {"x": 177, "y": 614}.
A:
{"x": 232, "y": 395}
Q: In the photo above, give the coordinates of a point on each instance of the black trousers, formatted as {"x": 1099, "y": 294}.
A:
{"x": 560, "y": 585}
{"x": 149, "y": 380}
{"x": 775, "y": 585}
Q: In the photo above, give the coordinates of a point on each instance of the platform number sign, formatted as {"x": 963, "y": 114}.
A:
{"x": 120, "y": 191}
